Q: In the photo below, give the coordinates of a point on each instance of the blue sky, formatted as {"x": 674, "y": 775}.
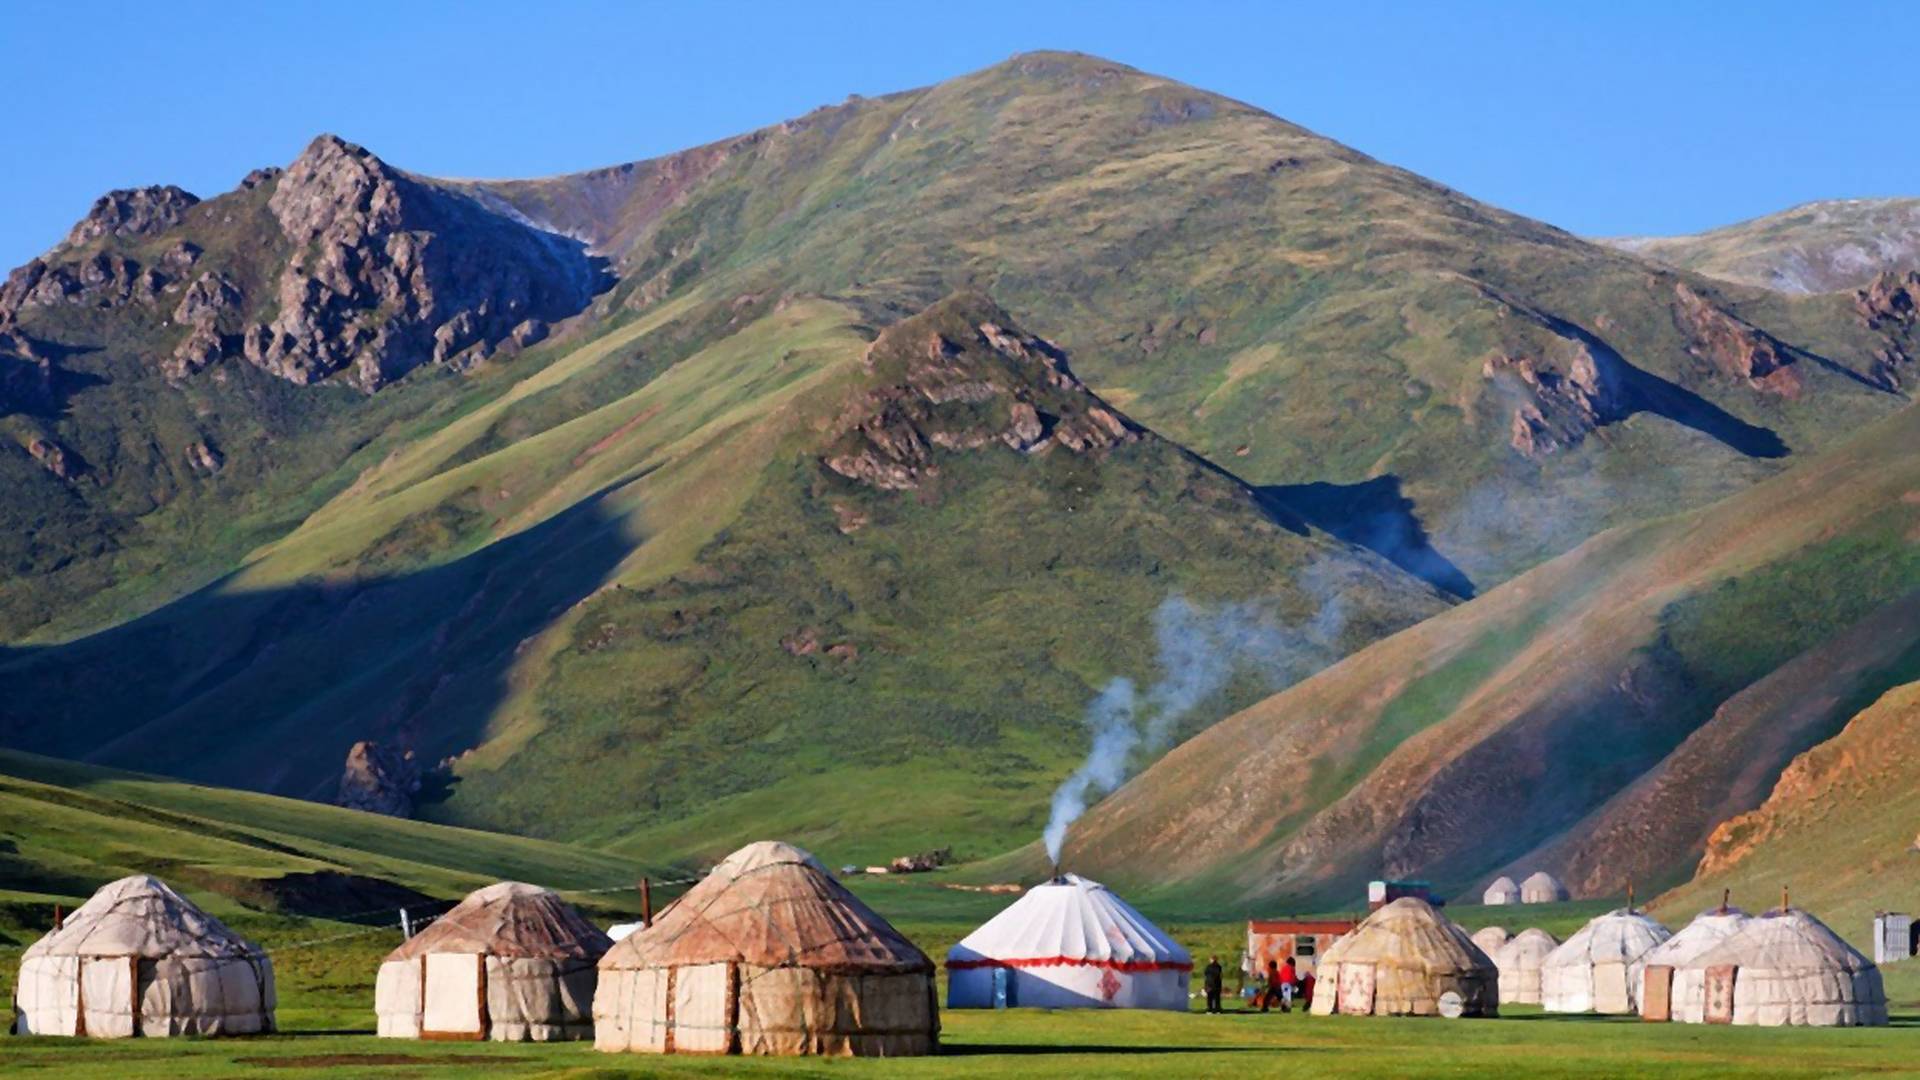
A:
{"x": 1602, "y": 118}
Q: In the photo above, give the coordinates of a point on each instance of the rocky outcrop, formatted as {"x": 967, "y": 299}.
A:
{"x": 1557, "y": 409}
{"x": 102, "y": 280}
{"x": 379, "y": 779}
{"x": 1890, "y": 305}
{"x": 54, "y": 458}
{"x": 959, "y": 377}
{"x": 132, "y": 212}
{"x": 1734, "y": 347}
{"x": 210, "y": 310}
{"x": 391, "y": 272}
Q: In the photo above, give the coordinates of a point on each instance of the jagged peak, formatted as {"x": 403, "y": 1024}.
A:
{"x": 139, "y": 211}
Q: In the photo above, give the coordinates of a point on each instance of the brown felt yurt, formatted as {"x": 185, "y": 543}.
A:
{"x": 140, "y": 959}
{"x": 1402, "y": 961}
{"x": 511, "y": 963}
{"x": 768, "y": 955}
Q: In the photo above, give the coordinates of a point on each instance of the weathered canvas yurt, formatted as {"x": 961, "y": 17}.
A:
{"x": 1598, "y": 968}
{"x": 511, "y": 963}
{"x": 1787, "y": 967}
{"x": 140, "y": 959}
{"x": 1069, "y": 943}
{"x": 768, "y": 955}
{"x": 1671, "y": 987}
{"x": 1542, "y": 888}
{"x": 1490, "y": 938}
{"x": 1401, "y": 961}
{"x": 1502, "y": 891}
{"x": 1519, "y": 961}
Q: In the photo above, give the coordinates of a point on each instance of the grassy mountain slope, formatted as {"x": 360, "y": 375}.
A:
{"x": 1837, "y": 829}
{"x": 1456, "y": 749}
{"x": 1820, "y": 247}
{"x": 673, "y": 599}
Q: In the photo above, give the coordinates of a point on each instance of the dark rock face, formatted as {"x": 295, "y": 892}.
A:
{"x": 379, "y": 780}
{"x": 391, "y": 273}
{"x": 26, "y": 378}
{"x": 1890, "y": 304}
{"x": 133, "y": 212}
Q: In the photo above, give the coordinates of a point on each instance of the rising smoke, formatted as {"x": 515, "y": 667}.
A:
{"x": 1198, "y": 652}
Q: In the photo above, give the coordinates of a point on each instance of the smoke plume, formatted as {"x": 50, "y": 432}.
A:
{"x": 1199, "y": 652}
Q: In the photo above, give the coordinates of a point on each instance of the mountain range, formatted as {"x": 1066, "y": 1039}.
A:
{"x": 815, "y": 480}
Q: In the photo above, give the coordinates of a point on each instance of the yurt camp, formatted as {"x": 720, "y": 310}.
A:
{"x": 1787, "y": 968}
{"x": 1519, "y": 961}
{"x": 1542, "y": 888}
{"x": 1502, "y": 891}
{"x": 511, "y": 963}
{"x": 769, "y": 954}
{"x": 1598, "y": 968}
{"x": 1490, "y": 938}
{"x": 1403, "y": 960}
{"x": 140, "y": 959}
{"x": 1672, "y": 987}
{"x": 1068, "y": 943}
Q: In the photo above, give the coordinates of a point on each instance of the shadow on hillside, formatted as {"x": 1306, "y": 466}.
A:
{"x": 1372, "y": 514}
{"x": 269, "y": 689}
{"x": 1647, "y": 392}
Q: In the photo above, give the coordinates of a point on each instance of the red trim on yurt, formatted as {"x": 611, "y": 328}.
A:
{"x": 1072, "y": 961}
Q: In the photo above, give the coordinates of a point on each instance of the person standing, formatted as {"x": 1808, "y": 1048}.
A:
{"x": 1289, "y": 984}
{"x": 1271, "y": 995}
{"x": 1213, "y": 979}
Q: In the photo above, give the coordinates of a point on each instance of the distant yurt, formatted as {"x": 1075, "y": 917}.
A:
{"x": 1542, "y": 888}
{"x": 1787, "y": 967}
{"x": 768, "y": 955}
{"x": 140, "y": 959}
{"x": 619, "y": 932}
{"x": 1520, "y": 961}
{"x": 1490, "y": 938}
{"x": 1598, "y": 968}
{"x": 511, "y": 963}
{"x": 1671, "y": 987}
{"x": 1401, "y": 961}
{"x": 1502, "y": 891}
{"x": 1069, "y": 943}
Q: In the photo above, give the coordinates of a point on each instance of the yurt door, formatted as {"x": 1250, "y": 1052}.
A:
{"x": 1611, "y": 994}
{"x": 1356, "y": 990}
{"x": 1656, "y": 997}
{"x": 453, "y": 993}
{"x": 1720, "y": 982}
{"x": 109, "y": 997}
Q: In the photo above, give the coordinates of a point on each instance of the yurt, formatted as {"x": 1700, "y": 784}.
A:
{"x": 511, "y": 963}
{"x": 1400, "y": 961}
{"x": 1786, "y": 967}
{"x": 1502, "y": 891}
{"x": 1671, "y": 987}
{"x": 1542, "y": 888}
{"x": 768, "y": 955}
{"x": 140, "y": 959}
{"x": 1490, "y": 938}
{"x": 1069, "y": 943}
{"x": 1598, "y": 968}
{"x": 1520, "y": 961}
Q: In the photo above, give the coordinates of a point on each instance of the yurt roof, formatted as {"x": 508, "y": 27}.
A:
{"x": 1540, "y": 879}
{"x": 1490, "y": 938}
{"x": 1409, "y": 933}
{"x": 1502, "y": 884}
{"x": 770, "y": 905}
{"x": 509, "y": 919}
{"x": 1071, "y": 920}
{"x": 1708, "y": 929}
{"x": 1790, "y": 940}
{"x": 1528, "y": 948}
{"x": 1620, "y": 934}
{"x": 141, "y": 916}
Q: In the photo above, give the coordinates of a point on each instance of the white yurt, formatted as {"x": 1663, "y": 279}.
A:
{"x": 1502, "y": 891}
{"x": 511, "y": 963}
{"x": 769, "y": 954}
{"x": 1066, "y": 944}
{"x": 1787, "y": 968}
{"x": 1490, "y": 938}
{"x": 1671, "y": 987}
{"x": 1520, "y": 961}
{"x": 1404, "y": 960}
{"x": 140, "y": 959}
{"x": 1598, "y": 968}
{"x": 619, "y": 932}
{"x": 1542, "y": 888}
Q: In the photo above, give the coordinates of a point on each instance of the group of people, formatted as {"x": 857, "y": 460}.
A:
{"x": 1281, "y": 984}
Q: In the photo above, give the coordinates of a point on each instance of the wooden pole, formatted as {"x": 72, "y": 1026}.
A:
{"x": 646, "y": 902}
{"x": 59, "y": 921}
{"x": 1629, "y": 897}
{"x": 1783, "y": 900}
{"x": 1726, "y": 897}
